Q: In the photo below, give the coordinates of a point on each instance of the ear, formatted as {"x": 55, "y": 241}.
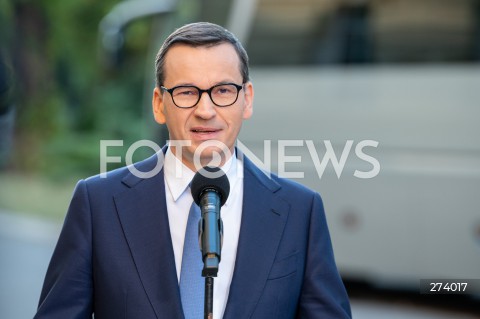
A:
{"x": 248, "y": 100}
{"x": 158, "y": 106}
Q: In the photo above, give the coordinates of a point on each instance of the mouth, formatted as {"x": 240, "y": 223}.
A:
{"x": 204, "y": 130}
{"x": 205, "y": 133}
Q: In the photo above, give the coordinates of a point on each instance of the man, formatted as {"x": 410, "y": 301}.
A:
{"x": 121, "y": 253}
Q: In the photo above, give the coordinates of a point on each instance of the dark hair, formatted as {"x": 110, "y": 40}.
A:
{"x": 200, "y": 34}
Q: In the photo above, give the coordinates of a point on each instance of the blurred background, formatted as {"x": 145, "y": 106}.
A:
{"x": 405, "y": 73}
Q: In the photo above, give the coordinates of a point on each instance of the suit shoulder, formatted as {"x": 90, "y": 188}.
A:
{"x": 110, "y": 177}
{"x": 293, "y": 186}
{"x": 125, "y": 176}
{"x": 287, "y": 187}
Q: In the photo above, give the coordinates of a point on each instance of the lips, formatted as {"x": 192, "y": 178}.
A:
{"x": 204, "y": 130}
{"x": 202, "y": 133}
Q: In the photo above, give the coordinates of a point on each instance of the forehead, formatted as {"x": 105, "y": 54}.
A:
{"x": 219, "y": 60}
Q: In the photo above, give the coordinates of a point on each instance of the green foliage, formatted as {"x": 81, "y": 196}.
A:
{"x": 67, "y": 101}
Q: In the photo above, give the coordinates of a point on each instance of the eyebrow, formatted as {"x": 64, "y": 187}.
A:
{"x": 217, "y": 83}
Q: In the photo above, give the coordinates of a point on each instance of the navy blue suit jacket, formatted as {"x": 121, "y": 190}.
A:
{"x": 114, "y": 257}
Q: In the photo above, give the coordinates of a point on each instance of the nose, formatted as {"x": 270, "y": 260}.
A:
{"x": 205, "y": 108}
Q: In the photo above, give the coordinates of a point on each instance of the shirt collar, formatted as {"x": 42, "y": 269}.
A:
{"x": 178, "y": 176}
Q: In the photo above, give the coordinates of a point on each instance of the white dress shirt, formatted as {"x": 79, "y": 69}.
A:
{"x": 179, "y": 199}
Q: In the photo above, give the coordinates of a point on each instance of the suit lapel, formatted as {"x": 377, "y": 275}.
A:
{"x": 263, "y": 220}
{"x": 143, "y": 214}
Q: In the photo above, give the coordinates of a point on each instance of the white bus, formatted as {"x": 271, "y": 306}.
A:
{"x": 419, "y": 218}
{"x": 350, "y": 74}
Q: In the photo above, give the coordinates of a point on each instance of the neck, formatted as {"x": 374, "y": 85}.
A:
{"x": 218, "y": 159}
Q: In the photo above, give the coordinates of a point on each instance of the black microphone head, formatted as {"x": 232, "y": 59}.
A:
{"x": 210, "y": 179}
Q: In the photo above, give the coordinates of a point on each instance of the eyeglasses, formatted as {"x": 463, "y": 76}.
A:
{"x": 186, "y": 96}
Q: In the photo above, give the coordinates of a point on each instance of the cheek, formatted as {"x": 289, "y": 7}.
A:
{"x": 176, "y": 120}
{"x": 235, "y": 117}
{"x": 234, "y": 127}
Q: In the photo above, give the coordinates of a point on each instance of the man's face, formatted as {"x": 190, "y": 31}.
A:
{"x": 203, "y": 67}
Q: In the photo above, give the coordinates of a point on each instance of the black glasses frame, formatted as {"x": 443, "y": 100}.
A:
{"x": 200, "y": 91}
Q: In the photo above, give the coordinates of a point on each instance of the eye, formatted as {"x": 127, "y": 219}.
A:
{"x": 224, "y": 90}
{"x": 185, "y": 91}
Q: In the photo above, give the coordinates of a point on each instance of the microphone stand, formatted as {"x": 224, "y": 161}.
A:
{"x": 208, "y": 313}
{"x": 210, "y": 230}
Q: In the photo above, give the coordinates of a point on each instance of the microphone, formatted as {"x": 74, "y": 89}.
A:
{"x": 210, "y": 188}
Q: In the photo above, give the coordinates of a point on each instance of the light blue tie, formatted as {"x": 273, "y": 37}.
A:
{"x": 192, "y": 284}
